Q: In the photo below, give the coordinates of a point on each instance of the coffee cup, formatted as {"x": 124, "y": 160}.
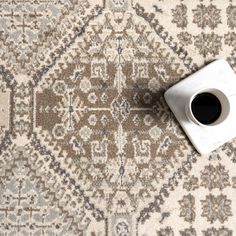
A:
{"x": 208, "y": 107}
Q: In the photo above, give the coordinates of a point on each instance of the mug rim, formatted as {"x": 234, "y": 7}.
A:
{"x": 189, "y": 112}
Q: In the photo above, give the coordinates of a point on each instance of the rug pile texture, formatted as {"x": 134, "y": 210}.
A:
{"x": 88, "y": 145}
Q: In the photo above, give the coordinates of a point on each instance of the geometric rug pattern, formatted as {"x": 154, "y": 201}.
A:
{"x": 88, "y": 145}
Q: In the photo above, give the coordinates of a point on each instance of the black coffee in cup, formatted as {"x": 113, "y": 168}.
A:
{"x": 206, "y": 108}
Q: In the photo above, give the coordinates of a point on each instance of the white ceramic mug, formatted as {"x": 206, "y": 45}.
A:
{"x": 225, "y": 106}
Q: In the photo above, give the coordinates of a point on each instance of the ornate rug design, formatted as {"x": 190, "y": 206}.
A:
{"x": 88, "y": 145}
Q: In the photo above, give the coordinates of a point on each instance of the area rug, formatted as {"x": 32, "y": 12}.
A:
{"x": 88, "y": 145}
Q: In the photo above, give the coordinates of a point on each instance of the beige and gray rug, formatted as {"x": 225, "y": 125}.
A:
{"x": 88, "y": 145}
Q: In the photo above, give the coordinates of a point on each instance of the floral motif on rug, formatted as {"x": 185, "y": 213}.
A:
{"x": 88, "y": 145}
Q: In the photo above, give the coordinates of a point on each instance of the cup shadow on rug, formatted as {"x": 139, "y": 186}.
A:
{"x": 155, "y": 106}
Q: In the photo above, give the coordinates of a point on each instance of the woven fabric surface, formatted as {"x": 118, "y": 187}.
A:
{"x": 88, "y": 145}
